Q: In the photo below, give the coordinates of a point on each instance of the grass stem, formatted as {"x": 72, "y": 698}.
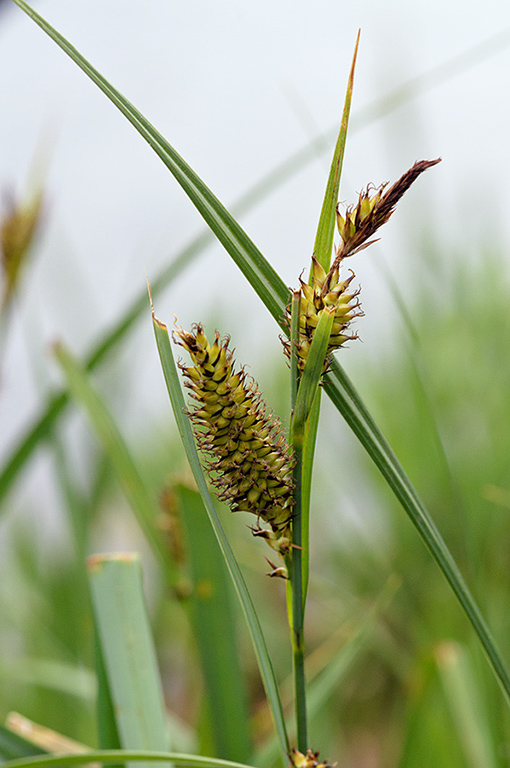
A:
{"x": 297, "y": 603}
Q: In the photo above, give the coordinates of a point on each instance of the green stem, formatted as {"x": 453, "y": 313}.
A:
{"x": 297, "y": 626}
{"x": 297, "y": 603}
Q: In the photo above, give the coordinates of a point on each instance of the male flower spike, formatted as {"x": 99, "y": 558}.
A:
{"x": 249, "y": 461}
{"x": 326, "y": 291}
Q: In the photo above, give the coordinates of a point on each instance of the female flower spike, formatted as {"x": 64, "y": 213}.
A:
{"x": 249, "y": 461}
{"x": 325, "y": 291}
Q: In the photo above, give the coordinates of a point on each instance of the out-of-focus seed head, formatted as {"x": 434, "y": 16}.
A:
{"x": 310, "y": 760}
{"x": 17, "y": 229}
{"x": 249, "y": 460}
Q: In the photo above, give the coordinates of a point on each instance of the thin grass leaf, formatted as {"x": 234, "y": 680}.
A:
{"x": 128, "y": 650}
{"x": 311, "y": 376}
{"x": 112, "y": 756}
{"x": 115, "y": 447}
{"x": 310, "y": 438}
{"x": 70, "y": 679}
{"x": 107, "y": 730}
{"x": 348, "y": 402}
{"x": 264, "y": 662}
{"x": 215, "y": 629}
{"x": 465, "y": 701}
{"x": 324, "y": 238}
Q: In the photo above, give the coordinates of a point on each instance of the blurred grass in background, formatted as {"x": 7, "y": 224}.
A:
{"x": 441, "y": 398}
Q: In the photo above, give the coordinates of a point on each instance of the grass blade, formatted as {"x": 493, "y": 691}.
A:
{"x": 311, "y": 376}
{"x": 112, "y": 756}
{"x": 214, "y": 625}
{"x": 128, "y": 651}
{"x": 324, "y": 238}
{"x": 264, "y": 662}
{"x": 107, "y": 729}
{"x": 126, "y": 470}
{"x": 346, "y": 399}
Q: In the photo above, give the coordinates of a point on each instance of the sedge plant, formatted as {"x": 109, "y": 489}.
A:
{"x": 253, "y": 466}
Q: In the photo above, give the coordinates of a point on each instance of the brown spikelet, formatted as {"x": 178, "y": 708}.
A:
{"x": 374, "y": 208}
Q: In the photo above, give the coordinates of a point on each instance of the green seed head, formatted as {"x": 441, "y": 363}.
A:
{"x": 325, "y": 292}
{"x": 249, "y": 460}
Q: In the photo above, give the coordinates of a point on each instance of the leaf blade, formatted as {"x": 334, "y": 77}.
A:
{"x": 263, "y": 659}
{"x": 128, "y": 650}
{"x": 326, "y": 227}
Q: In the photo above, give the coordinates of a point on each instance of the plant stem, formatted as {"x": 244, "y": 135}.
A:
{"x": 297, "y": 603}
{"x": 297, "y": 628}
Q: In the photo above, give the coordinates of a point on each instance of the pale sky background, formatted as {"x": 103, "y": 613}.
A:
{"x": 236, "y": 88}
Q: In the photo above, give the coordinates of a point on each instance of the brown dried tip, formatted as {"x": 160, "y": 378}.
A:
{"x": 374, "y": 208}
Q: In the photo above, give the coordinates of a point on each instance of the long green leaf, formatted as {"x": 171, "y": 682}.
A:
{"x": 112, "y": 756}
{"x": 348, "y": 402}
{"x": 107, "y": 729}
{"x": 310, "y": 378}
{"x": 325, "y": 231}
{"x": 128, "y": 650}
{"x": 103, "y": 425}
{"x": 259, "y": 644}
{"x": 214, "y": 623}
